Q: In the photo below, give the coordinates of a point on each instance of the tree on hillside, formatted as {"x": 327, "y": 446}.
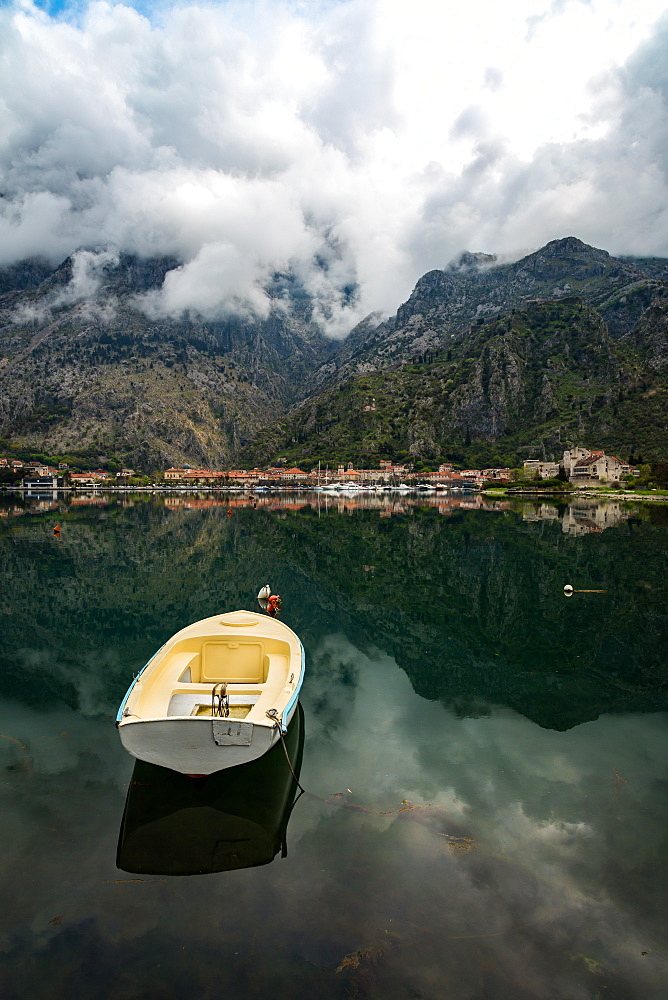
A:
{"x": 659, "y": 473}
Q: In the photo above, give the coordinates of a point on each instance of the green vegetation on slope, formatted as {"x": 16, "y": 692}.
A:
{"x": 546, "y": 376}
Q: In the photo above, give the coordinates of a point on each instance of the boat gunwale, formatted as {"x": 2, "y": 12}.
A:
{"x": 130, "y": 720}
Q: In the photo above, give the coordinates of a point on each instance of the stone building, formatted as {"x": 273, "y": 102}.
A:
{"x": 582, "y": 466}
{"x": 546, "y": 470}
{"x": 597, "y": 467}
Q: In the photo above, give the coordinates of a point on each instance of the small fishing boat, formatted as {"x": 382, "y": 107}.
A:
{"x": 218, "y": 693}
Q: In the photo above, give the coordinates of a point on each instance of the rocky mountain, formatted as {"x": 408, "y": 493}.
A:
{"x": 95, "y": 376}
{"x": 531, "y": 382}
{"x": 444, "y": 304}
{"x": 485, "y": 363}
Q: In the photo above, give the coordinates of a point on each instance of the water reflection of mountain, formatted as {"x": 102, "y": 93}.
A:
{"x": 470, "y": 604}
{"x": 473, "y": 609}
{"x": 237, "y": 818}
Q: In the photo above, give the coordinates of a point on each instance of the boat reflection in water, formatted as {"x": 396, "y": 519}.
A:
{"x": 235, "y": 818}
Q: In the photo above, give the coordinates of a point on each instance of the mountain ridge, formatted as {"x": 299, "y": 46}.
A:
{"x": 464, "y": 362}
{"x": 526, "y": 384}
{"x": 100, "y": 377}
{"x": 444, "y": 303}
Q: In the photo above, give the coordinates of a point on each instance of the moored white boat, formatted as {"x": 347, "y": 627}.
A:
{"x": 217, "y": 694}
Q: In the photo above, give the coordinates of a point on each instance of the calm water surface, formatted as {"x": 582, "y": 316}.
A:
{"x": 484, "y": 760}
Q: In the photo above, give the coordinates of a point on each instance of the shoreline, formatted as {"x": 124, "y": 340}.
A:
{"x": 569, "y": 495}
{"x": 566, "y": 496}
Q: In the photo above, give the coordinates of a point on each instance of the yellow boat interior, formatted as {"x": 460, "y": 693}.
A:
{"x": 259, "y": 672}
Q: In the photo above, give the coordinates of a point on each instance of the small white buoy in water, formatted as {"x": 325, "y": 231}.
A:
{"x": 568, "y": 590}
{"x": 264, "y": 592}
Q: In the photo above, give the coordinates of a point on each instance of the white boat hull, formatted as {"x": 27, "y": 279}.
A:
{"x": 189, "y": 745}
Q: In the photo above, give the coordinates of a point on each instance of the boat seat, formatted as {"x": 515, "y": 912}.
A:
{"x": 184, "y": 702}
{"x": 182, "y": 662}
{"x": 277, "y": 675}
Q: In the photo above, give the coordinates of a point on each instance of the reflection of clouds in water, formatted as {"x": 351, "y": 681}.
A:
{"x": 87, "y": 673}
{"x": 64, "y": 778}
{"x": 369, "y": 739}
{"x": 49, "y": 742}
{"x": 551, "y": 896}
{"x": 563, "y": 806}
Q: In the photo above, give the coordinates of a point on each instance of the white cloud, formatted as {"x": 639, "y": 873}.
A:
{"x": 379, "y": 137}
{"x": 83, "y": 289}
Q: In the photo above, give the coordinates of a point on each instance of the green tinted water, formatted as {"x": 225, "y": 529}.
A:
{"x": 484, "y": 759}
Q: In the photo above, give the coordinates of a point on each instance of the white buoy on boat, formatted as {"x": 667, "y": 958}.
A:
{"x": 264, "y": 592}
{"x": 568, "y": 590}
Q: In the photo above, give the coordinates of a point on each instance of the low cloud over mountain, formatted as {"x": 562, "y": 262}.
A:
{"x": 355, "y": 144}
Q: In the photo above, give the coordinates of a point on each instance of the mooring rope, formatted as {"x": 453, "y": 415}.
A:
{"x": 272, "y": 714}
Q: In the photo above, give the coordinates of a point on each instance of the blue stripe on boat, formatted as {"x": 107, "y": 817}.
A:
{"x": 119, "y": 714}
{"x": 295, "y": 693}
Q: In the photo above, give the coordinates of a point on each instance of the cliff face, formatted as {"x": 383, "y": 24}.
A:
{"x": 529, "y": 383}
{"x": 489, "y": 364}
{"x": 444, "y": 304}
{"x": 650, "y": 338}
{"x": 97, "y": 376}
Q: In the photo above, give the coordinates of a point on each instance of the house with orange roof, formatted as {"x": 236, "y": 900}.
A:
{"x": 202, "y": 476}
{"x": 87, "y": 478}
{"x": 294, "y": 474}
{"x": 243, "y": 477}
{"x": 41, "y": 469}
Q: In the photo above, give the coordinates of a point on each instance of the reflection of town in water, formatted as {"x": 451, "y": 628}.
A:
{"x": 387, "y": 505}
{"x": 580, "y": 517}
{"x": 57, "y": 502}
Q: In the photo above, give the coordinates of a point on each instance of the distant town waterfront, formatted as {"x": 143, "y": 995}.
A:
{"x": 579, "y": 466}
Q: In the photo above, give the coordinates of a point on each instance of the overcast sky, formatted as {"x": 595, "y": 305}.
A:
{"x": 378, "y": 136}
